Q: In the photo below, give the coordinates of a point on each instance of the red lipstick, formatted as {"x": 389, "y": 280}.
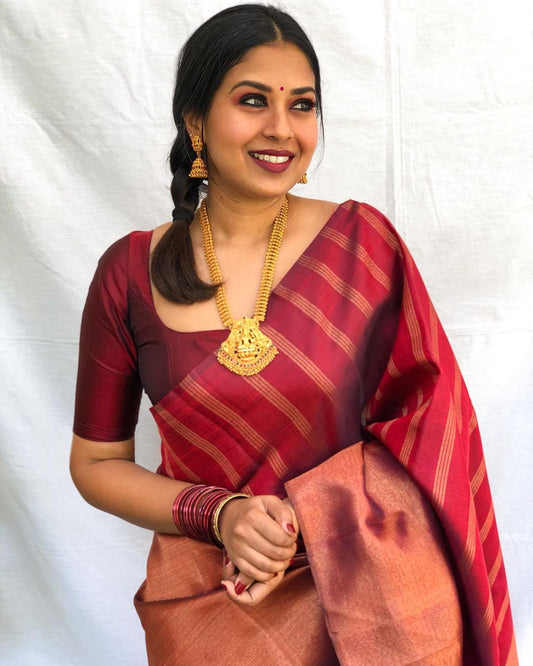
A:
{"x": 274, "y": 161}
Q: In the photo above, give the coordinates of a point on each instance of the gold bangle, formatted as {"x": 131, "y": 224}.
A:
{"x": 216, "y": 515}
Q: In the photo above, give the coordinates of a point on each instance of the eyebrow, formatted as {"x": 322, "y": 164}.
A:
{"x": 262, "y": 87}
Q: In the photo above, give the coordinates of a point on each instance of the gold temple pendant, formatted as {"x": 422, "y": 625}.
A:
{"x": 247, "y": 349}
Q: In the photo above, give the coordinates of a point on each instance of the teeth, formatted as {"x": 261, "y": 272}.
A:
{"x": 275, "y": 159}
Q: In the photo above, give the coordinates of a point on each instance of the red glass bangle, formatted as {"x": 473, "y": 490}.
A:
{"x": 196, "y": 510}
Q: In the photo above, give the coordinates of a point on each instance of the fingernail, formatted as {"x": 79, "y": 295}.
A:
{"x": 240, "y": 587}
{"x": 224, "y": 586}
{"x": 275, "y": 574}
{"x": 290, "y": 528}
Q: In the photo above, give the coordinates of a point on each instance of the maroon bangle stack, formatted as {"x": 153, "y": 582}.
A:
{"x": 194, "y": 511}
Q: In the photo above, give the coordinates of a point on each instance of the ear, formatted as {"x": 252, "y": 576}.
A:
{"x": 193, "y": 123}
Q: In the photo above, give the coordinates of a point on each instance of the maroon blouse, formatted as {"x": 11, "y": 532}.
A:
{"x": 125, "y": 347}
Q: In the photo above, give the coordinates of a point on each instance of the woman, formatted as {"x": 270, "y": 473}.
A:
{"x": 301, "y": 383}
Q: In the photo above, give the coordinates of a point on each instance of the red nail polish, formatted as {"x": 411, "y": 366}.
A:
{"x": 290, "y": 527}
{"x": 240, "y": 587}
{"x": 224, "y": 586}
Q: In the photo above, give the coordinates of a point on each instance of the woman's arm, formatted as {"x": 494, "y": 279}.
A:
{"x": 257, "y": 532}
{"x": 107, "y": 476}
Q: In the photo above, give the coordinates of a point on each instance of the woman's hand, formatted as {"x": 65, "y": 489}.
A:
{"x": 259, "y": 535}
{"x": 250, "y": 592}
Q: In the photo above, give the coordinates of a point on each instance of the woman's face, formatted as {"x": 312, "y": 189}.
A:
{"x": 261, "y": 130}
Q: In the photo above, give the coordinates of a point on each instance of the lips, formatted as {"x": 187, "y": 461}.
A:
{"x": 275, "y": 161}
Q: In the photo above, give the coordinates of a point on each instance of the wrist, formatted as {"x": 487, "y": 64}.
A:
{"x": 218, "y": 513}
{"x": 196, "y": 511}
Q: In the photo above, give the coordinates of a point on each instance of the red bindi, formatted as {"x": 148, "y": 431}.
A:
{"x": 282, "y": 88}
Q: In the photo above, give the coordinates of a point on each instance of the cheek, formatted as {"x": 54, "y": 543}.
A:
{"x": 310, "y": 137}
{"x": 232, "y": 134}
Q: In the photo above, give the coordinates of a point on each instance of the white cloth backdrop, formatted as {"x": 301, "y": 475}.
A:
{"x": 429, "y": 116}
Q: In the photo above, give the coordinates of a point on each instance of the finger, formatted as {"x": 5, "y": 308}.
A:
{"x": 260, "y": 552}
{"x": 238, "y": 583}
{"x": 241, "y": 583}
{"x": 257, "y": 564}
{"x": 254, "y": 594}
{"x": 283, "y": 513}
{"x": 254, "y": 574}
{"x": 263, "y": 532}
{"x": 269, "y": 515}
{"x": 228, "y": 568}
{"x": 245, "y": 520}
{"x": 295, "y": 522}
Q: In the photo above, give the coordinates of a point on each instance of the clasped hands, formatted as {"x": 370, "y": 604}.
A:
{"x": 259, "y": 536}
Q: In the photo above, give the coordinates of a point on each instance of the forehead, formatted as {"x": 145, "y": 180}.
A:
{"x": 272, "y": 64}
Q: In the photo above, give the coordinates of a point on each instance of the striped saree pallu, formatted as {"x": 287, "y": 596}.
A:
{"x": 363, "y": 364}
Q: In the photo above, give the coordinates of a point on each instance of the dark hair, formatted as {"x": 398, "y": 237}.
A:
{"x": 213, "y": 49}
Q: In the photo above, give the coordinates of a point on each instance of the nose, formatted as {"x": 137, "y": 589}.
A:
{"x": 278, "y": 125}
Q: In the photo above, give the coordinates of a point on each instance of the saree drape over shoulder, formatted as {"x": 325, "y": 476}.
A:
{"x": 364, "y": 421}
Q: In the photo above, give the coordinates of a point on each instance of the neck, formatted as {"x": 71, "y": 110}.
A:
{"x": 241, "y": 220}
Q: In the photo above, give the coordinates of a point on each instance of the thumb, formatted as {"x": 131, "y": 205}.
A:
{"x": 283, "y": 513}
{"x": 239, "y": 585}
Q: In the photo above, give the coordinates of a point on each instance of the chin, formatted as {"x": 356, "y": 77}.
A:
{"x": 254, "y": 186}
{"x": 273, "y": 188}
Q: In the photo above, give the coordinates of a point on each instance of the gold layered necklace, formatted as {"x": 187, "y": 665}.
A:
{"x": 247, "y": 349}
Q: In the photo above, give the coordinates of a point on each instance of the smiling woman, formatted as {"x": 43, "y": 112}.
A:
{"x": 320, "y": 455}
{"x": 256, "y": 127}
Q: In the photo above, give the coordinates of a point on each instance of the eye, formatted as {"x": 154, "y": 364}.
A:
{"x": 253, "y": 99}
{"x": 304, "y": 104}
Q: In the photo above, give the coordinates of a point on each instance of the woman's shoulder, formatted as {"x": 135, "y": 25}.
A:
{"x": 120, "y": 249}
{"x": 319, "y": 208}
{"x": 354, "y": 228}
{"x": 325, "y": 209}
{"x": 158, "y": 233}
{"x": 123, "y": 258}
{"x": 351, "y": 217}
{"x": 364, "y": 222}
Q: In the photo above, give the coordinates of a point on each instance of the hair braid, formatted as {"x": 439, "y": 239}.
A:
{"x": 173, "y": 266}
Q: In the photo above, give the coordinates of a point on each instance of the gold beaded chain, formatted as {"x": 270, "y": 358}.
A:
{"x": 247, "y": 350}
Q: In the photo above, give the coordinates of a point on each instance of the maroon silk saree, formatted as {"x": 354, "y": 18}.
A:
{"x": 364, "y": 420}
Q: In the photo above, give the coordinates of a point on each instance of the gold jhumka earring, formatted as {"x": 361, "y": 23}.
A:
{"x": 198, "y": 168}
{"x": 303, "y": 180}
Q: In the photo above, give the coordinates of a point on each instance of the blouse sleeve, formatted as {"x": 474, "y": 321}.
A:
{"x": 108, "y": 390}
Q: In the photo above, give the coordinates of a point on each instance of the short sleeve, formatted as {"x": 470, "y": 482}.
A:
{"x": 108, "y": 389}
